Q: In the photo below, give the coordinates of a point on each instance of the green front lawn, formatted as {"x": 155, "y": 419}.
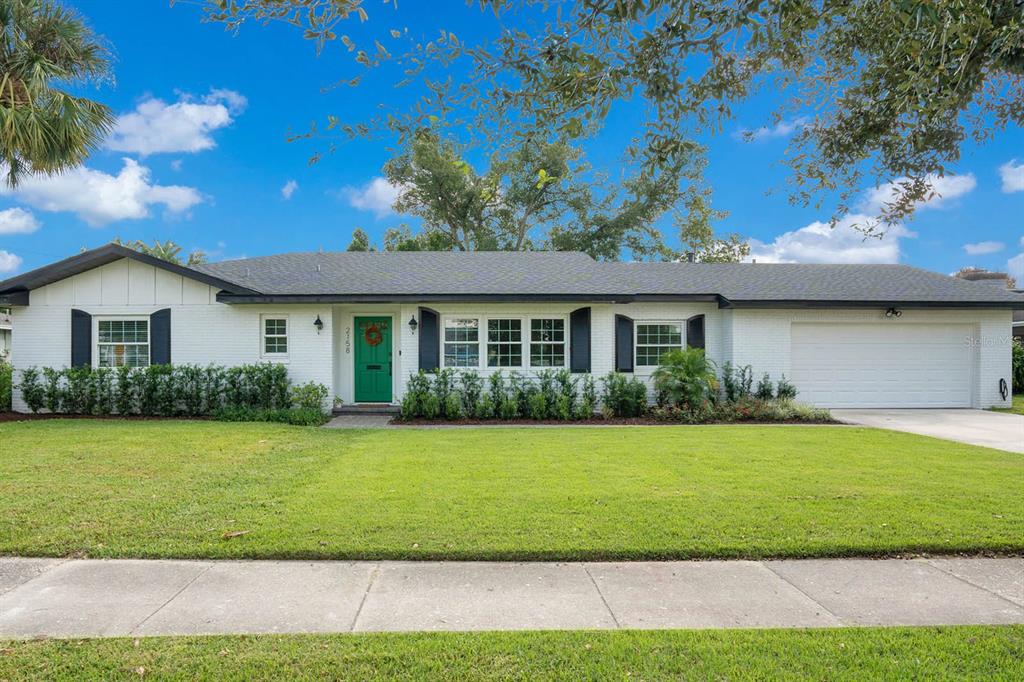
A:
{"x": 1017, "y": 407}
{"x": 209, "y": 489}
{"x": 983, "y": 653}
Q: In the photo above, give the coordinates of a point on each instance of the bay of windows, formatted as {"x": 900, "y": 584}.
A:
{"x": 508, "y": 342}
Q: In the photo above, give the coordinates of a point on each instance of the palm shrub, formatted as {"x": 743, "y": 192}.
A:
{"x": 686, "y": 379}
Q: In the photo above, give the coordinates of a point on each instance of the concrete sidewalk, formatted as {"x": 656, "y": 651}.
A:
{"x": 84, "y": 598}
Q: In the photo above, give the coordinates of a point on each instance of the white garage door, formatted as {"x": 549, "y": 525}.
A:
{"x": 883, "y": 364}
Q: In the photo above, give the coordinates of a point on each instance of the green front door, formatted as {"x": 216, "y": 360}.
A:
{"x": 373, "y": 359}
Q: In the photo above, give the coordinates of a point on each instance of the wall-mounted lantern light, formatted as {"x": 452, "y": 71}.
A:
{"x": 319, "y": 324}
{"x": 893, "y": 312}
{"x": 413, "y": 324}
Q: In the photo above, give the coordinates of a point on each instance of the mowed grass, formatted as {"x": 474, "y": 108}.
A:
{"x": 989, "y": 653}
{"x": 219, "y": 490}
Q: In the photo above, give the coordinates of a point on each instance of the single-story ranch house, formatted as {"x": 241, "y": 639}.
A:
{"x": 363, "y": 323}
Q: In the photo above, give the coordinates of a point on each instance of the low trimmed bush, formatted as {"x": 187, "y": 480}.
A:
{"x": 550, "y": 395}
{"x": 260, "y": 391}
{"x": 623, "y": 396}
{"x": 298, "y": 416}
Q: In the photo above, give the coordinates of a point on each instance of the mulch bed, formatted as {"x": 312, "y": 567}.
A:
{"x": 613, "y": 421}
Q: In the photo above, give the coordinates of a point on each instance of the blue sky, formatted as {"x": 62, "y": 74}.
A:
{"x": 200, "y": 157}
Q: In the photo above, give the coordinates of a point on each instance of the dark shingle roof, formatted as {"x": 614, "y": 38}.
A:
{"x": 425, "y": 276}
{"x": 416, "y": 272}
{"x": 754, "y": 282}
{"x": 553, "y": 274}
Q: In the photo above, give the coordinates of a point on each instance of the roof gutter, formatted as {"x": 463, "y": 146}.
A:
{"x": 740, "y": 303}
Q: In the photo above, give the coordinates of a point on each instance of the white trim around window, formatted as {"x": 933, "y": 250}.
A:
{"x": 121, "y": 341}
{"x": 657, "y": 338}
{"x": 275, "y": 342}
{"x": 549, "y": 341}
{"x": 504, "y": 342}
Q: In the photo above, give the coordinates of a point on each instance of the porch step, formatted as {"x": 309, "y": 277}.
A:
{"x": 367, "y": 408}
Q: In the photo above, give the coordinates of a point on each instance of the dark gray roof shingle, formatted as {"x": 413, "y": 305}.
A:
{"x": 552, "y": 274}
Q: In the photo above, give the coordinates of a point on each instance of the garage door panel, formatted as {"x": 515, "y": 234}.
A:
{"x": 882, "y": 365}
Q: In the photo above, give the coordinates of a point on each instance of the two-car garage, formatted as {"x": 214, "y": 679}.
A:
{"x": 884, "y": 364}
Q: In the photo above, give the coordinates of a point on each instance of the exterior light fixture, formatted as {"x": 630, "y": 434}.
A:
{"x": 893, "y": 312}
{"x": 413, "y": 324}
{"x": 319, "y": 324}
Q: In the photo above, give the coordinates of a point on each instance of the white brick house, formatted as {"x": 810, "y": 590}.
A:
{"x": 363, "y": 323}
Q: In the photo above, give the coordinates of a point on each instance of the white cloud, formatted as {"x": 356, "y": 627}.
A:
{"x": 8, "y": 261}
{"x": 184, "y": 126}
{"x": 289, "y": 189}
{"x": 944, "y": 190}
{"x": 378, "y": 196}
{"x": 1012, "y": 176}
{"x": 820, "y": 243}
{"x": 176, "y": 165}
{"x": 18, "y": 221}
{"x": 983, "y": 248}
{"x": 780, "y": 129}
{"x": 1015, "y": 268}
{"x": 99, "y": 198}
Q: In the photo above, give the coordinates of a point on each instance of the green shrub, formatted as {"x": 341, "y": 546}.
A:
{"x": 160, "y": 390}
{"x": 538, "y": 405}
{"x": 6, "y": 385}
{"x": 452, "y": 406}
{"x": 302, "y": 416}
{"x": 587, "y": 404}
{"x": 685, "y": 379}
{"x": 1017, "y": 369}
{"x": 309, "y": 396}
{"x": 472, "y": 387}
{"x": 32, "y": 391}
{"x": 431, "y": 407}
{"x": 765, "y": 388}
{"x": 484, "y": 408}
{"x": 624, "y": 396}
{"x": 737, "y": 382}
{"x": 785, "y": 390}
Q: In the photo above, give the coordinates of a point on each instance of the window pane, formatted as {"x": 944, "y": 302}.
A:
{"x": 275, "y": 344}
{"x": 462, "y": 330}
{"x": 547, "y": 331}
{"x": 276, "y": 327}
{"x": 461, "y": 355}
{"x": 504, "y": 343}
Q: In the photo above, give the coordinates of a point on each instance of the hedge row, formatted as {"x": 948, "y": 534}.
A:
{"x": 166, "y": 390}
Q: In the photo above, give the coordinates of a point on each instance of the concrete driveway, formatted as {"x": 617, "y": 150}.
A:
{"x": 974, "y": 427}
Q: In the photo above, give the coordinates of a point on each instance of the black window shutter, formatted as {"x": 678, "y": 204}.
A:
{"x": 623, "y": 344}
{"x": 430, "y": 341}
{"x": 81, "y": 338}
{"x": 160, "y": 337}
{"x": 579, "y": 340}
{"x": 695, "y": 332}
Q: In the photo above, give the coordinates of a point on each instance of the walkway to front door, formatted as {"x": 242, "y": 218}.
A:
{"x": 373, "y": 360}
